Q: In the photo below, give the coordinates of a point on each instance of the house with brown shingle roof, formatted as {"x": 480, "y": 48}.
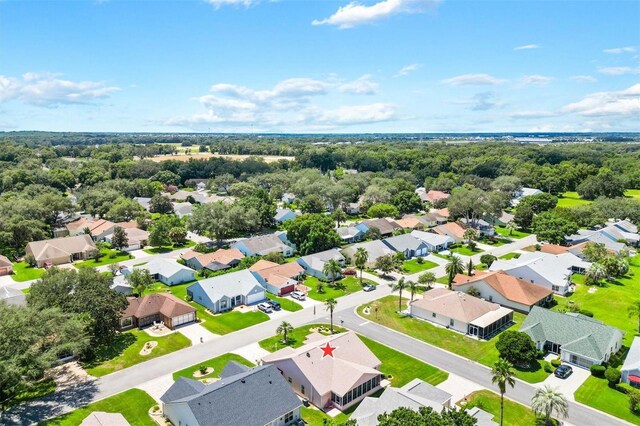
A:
{"x": 214, "y": 261}
{"x": 461, "y": 312}
{"x": 504, "y": 289}
{"x": 330, "y": 371}
{"x": 385, "y": 226}
{"x": 157, "y": 307}
{"x": 454, "y": 230}
{"x": 6, "y": 267}
{"x": 277, "y": 279}
{"x": 59, "y": 251}
{"x": 99, "y": 228}
{"x": 410, "y": 222}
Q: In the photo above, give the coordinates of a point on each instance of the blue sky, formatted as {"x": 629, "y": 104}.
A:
{"x": 320, "y": 65}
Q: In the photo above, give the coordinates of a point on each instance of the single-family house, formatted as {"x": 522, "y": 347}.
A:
{"x": 275, "y": 278}
{"x": 455, "y": 230}
{"x": 156, "y": 308}
{"x": 444, "y": 212}
{"x": 98, "y": 228}
{"x": 166, "y": 271}
{"x": 410, "y": 222}
{"x": 374, "y": 249}
{"x": 121, "y": 285}
{"x": 624, "y": 225}
{"x": 631, "y": 367}
{"x": 524, "y": 192}
{"x": 330, "y": 371}
{"x": 578, "y": 339}
{"x": 500, "y": 287}
{"x": 215, "y": 261}
{"x": 244, "y": 396}
{"x": 461, "y": 312}
{"x": 12, "y": 296}
{"x": 137, "y": 238}
{"x": 182, "y": 209}
{"x": 435, "y": 242}
{"x": 613, "y": 233}
{"x": 143, "y": 201}
{"x": 502, "y": 220}
{"x": 432, "y": 196}
{"x": 385, "y": 226}
{"x": 350, "y": 234}
{"x": 6, "y": 267}
{"x": 483, "y": 227}
{"x": 552, "y": 271}
{"x": 314, "y": 264}
{"x": 288, "y": 197}
{"x": 352, "y": 208}
{"x": 225, "y": 292}
{"x": 408, "y": 245}
{"x": 283, "y": 215}
{"x": 61, "y": 250}
{"x": 429, "y": 220}
{"x": 179, "y": 196}
{"x": 265, "y": 244}
{"x": 101, "y": 418}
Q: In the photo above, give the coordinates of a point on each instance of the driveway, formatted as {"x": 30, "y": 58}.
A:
{"x": 569, "y": 385}
{"x": 197, "y": 333}
{"x": 458, "y": 387}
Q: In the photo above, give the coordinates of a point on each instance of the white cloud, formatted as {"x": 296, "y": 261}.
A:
{"x": 619, "y": 50}
{"x": 355, "y": 13}
{"x": 535, "y": 80}
{"x": 219, "y": 3}
{"x": 483, "y": 101}
{"x": 527, "y": 47}
{"x": 473, "y": 80}
{"x": 619, "y": 70}
{"x": 44, "y": 89}
{"x": 359, "y": 114}
{"x": 621, "y": 103}
{"x": 583, "y": 78}
{"x": 361, "y": 86}
{"x": 526, "y": 115}
{"x": 408, "y": 70}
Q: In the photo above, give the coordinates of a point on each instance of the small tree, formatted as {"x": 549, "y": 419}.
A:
{"x": 284, "y": 329}
{"x": 119, "y": 241}
{"x": 470, "y": 267}
{"x": 30, "y": 260}
{"x": 360, "y": 259}
{"x": 114, "y": 268}
{"x": 487, "y": 259}
{"x": 612, "y": 375}
{"x": 473, "y": 292}
{"x": 427, "y": 279}
{"x": 400, "y": 285}
{"x": 178, "y": 236}
{"x": 511, "y": 226}
{"x": 546, "y": 400}
{"x": 97, "y": 255}
{"x": 332, "y": 269}
{"x": 339, "y": 216}
{"x": 413, "y": 287}
{"x": 140, "y": 279}
{"x": 470, "y": 235}
{"x": 330, "y": 305}
{"x": 320, "y": 287}
{"x": 517, "y": 348}
{"x": 503, "y": 374}
{"x": 595, "y": 273}
{"x": 385, "y": 264}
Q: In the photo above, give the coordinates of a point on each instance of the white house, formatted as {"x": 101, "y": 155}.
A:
{"x": 225, "y": 292}
{"x": 631, "y": 367}
{"x": 166, "y": 271}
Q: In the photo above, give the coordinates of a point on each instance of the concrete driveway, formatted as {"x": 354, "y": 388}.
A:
{"x": 569, "y": 385}
{"x": 196, "y": 333}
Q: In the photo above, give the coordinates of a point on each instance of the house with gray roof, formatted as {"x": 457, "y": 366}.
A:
{"x": 612, "y": 233}
{"x": 433, "y": 241}
{"x": 631, "y": 367}
{"x": 374, "y": 249}
{"x": 166, "y": 271}
{"x": 578, "y": 339}
{"x": 182, "y": 209}
{"x": 256, "y": 397}
{"x": 283, "y": 215}
{"x": 265, "y": 244}
{"x": 407, "y": 244}
{"x": 313, "y": 264}
{"x": 12, "y": 296}
{"x": 624, "y": 225}
{"x": 225, "y": 292}
{"x": 350, "y": 234}
{"x": 143, "y": 201}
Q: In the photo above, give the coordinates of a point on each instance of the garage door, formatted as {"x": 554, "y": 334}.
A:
{"x": 287, "y": 289}
{"x": 255, "y": 298}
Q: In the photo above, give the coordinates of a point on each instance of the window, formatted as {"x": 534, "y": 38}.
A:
{"x": 126, "y": 322}
{"x": 451, "y": 322}
{"x": 289, "y": 379}
{"x": 555, "y": 288}
{"x": 288, "y": 417}
{"x": 433, "y": 314}
{"x": 302, "y": 389}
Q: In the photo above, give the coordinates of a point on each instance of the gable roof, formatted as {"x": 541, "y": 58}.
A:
{"x": 432, "y": 238}
{"x": 450, "y": 229}
{"x": 626, "y": 225}
{"x": 275, "y": 274}
{"x": 229, "y": 285}
{"x": 60, "y": 247}
{"x": 511, "y": 288}
{"x": 157, "y": 303}
{"x": 346, "y": 232}
{"x": 232, "y": 368}
{"x": 263, "y": 244}
{"x": 410, "y": 222}
{"x": 96, "y": 226}
{"x": 404, "y": 242}
{"x": 252, "y": 398}
{"x": 224, "y": 256}
{"x": 282, "y": 213}
{"x": 574, "y": 332}
{"x": 375, "y": 249}
{"x": 385, "y": 226}
{"x": 4, "y": 261}
{"x": 316, "y": 261}
{"x": 165, "y": 267}
{"x": 457, "y": 305}
{"x": 551, "y": 267}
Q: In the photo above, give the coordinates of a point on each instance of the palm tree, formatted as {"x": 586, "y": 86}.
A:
{"x": 546, "y": 400}
{"x": 427, "y": 279}
{"x": 453, "y": 268}
{"x": 634, "y": 311}
{"x": 413, "y": 287}
{"x": 284, "y": 328}
{"x": 511, "y": 226}
{"x": 503, "y": 374}
{"x": 595, "y": 273}
{"x": 401, "y": 285}
{"x": 360, "y": 259}
{"x": 332, "y": 269}
{"x": 330, "y": 305}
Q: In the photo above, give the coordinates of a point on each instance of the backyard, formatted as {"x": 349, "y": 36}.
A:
{"x": 22, "y": 271}
{"x": 133, "y": 404}
{"x": 217, "y": 363}
{"x": 481, "y": 351}
{"x": 413, "y": 266}
{"x": 345, "y": 286}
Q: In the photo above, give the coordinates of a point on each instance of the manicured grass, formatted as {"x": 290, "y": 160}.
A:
{"x": 501, "y": 230}
{"x": 441, "y": 256}
{"x": 23, "y": 272}
{"x": 345, "y": 286}
{"x": 106, "y": 259}
{"x": 610, "y": 303}
{"x": 286, "y": 303}
{"x": 295, "y": 338}
{"x": 578, "y": 278}
{"x": 229, "y": 322}
{"x": 39, "y": 389}
{"x": 217, "y": 363}
{"x": 510, "y": 256}
{"x": 133, "y": 404}
{"x": 443, "y": 280}
{"x": 481, "y": 351}
{"x": 124, "y": 351}
{"x": 412, "y": 266}
{"x": 465, "y": 251}
{"x": 167, "y": 249}
{"x": 596, "y": 393}
{"x": 632, "y": 193}
{"x": 515, "y": 414}
{"x": 571, "y": 199}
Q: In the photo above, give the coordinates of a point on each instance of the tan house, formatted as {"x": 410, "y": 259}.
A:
{"x": 99, "y": 228}
{"x": 59, "y": 251}
{"x": 157, "y": 307}
{"x": 330, "y": 371}
{"x": 6, "y": 267}
{"x": 277, "y": 279}
{"x": 215, "y": 261}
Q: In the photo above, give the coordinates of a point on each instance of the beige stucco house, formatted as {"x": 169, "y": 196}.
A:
{"x": 59, "y": 251}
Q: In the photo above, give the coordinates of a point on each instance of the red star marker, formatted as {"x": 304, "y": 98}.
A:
{"x": 328, "y": 350}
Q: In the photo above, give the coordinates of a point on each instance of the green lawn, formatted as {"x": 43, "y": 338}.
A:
{"x": 510, "y": 256}
{"x": 466, "y": 251}
{"x": 632, "y": 193}
{"x": 286, "y": 303}
{"x": 497, "y": 242}
{"x": 217, "y": 363}
{"x": 515, "y": 414}
{"x": 610, "y": 302}
{"x": 295, "y": 338}
{"x": 412, "y": 266}
{"x": 571, "y": 199}
{"x": 596, "y": 393}
{"x": 109, "y": 256}
{"x": 37, "y": 390}
{"x": 345, "y": 286}
{"x": 133, "y": 404}
{"x": 167, "y": 249}
{"x": 481, "y": 351}
{"x": 23, "y": 272}
{"x": 501, "y": 230}
{"x": 124, "y": 351}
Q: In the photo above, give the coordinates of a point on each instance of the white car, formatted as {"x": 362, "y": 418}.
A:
{"x": 265, "y": 307}
{"x": 299, "y": 295}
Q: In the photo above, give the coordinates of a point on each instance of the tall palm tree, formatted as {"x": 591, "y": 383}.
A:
{"x": 634, "y": 311}
{"x": 413, "y": 287}
{"x": 330, "y": 305}
{"x": 503, "y": 374}
{"x": 595, "y": 273}
{"x": 546, "y": 400}
{"x": 284, "y": 329}
{"x": 400, "y": 285}
{"x": 511, "y": 226}
{"x": 453, "y": 268}
{"x": 360, "y": 258}
{"x": 427, "y": 279}
{"x": 332, "y": 269}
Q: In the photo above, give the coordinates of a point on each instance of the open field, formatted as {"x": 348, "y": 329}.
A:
{"x": 207, "y": 155}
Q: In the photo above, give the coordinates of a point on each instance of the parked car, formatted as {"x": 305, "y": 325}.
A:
{"x": 368, "y": 287}
{"x": 299, "y": 295}
{"x": 349, "y": 272}
{"x": 265, "y": 307}
{"x": 563, "y": 371}
{"x": 275, "y": 305}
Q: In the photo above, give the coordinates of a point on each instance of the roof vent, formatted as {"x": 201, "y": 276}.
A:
{"x": 308, "y": 355}
{"x": 242, "y": 380}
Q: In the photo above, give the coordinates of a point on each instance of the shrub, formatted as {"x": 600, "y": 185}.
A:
{"x": 634, "y": 401}
{"x": 612, "y": 375}
{"x": 31, "y": 261}
{"x": 540, "y": 354}
{"x": 112, "y": 255}
{"x": 625, "y": 388}
{"x": 586, "y": 313}
{"x": 556, "y": 362}
{"x": 472, "y": 291}
{"x": 202, "y": 369}
{"x": 548, "y": 368}
{"x": 597, "y": 370}
{"x": 419, "y": 260}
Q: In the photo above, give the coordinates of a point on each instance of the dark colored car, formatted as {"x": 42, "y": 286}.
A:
{"x": 349, "y": 272}
{"x": 563, "y": 371}
{"x": 275, "y": 305}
